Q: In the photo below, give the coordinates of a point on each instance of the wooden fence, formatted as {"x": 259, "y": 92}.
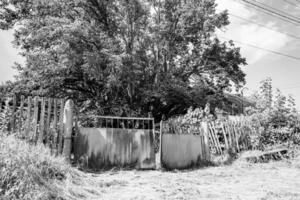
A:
{"x": 223, "y": 136}
{"x": 229, "y": 135}
{"x": 37, "y": 119}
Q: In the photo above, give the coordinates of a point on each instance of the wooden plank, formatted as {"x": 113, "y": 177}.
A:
{"x": 55, "y": 131}
{"x": 21, "y": 113}
{"x": 227, "y": 130}
{"x": 215, "y": 133}
{"x": 224, "y": 135}
{"x": 35, "y": 119}
{"x": 42, "y": 121}
{"x": 1, "y": 99}
{"x": 160, "y": 145}
{"x": 13, "y": 116}
{"x": 213, "y": 138}
{"x": 28, "y": 117}
{"x": 68, "y": 127}
{"x": 236, "y": 138}
{"x": 47, "y": 127}
{"x": 61, "y": 126}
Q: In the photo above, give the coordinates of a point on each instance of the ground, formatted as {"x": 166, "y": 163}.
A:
{"x": 239, "y": 180}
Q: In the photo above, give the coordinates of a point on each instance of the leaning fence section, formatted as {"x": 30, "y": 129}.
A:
{"x": 37, "y": 119}
{"x": 229, "y": 136}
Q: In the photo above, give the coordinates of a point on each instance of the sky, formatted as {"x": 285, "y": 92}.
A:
{"x": 284, "y": 71}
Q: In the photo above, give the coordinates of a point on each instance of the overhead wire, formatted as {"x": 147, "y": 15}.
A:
{"x": 273, "y": 13}
{"x": 262, "y": 25}
{"x": 277, "y": 10}
{"x": 291, "y": 3}
{"x": 263, "y": 49}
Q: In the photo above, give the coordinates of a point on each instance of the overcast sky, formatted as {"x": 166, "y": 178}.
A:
{"x": 261, "y": 64}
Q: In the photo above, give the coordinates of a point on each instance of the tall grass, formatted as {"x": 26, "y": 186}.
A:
{"x": 29, "y": 171}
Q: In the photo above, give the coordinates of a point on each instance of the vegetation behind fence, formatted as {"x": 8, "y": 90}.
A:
{"x": 37, "y": 119}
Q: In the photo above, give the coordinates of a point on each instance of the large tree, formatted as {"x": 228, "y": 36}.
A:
{"x": 141, "y": 55}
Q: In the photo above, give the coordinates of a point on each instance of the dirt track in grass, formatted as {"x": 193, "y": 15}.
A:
{"x": 240, "y": 180}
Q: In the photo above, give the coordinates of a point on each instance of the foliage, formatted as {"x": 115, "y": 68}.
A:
{"x": 184, "y": 124}
{"x": 27, "y": 171}
{"x": 150, "y": 56}
{"x": 276, "y": 117}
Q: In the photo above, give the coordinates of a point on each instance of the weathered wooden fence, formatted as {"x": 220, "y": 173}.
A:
{"x": 184, "y": 145}
{"x": 229, "y": 135}
{"x": 37, "y": 119}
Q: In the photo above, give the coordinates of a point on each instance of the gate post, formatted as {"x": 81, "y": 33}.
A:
{"x": 206, "y": 140}
{"x": 159, "y": 160}
{"x": 68, "y": 126}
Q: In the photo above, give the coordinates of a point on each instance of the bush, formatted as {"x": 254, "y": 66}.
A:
{"x": 29, "y": 171}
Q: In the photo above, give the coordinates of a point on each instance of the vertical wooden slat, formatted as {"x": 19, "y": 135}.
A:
{"x": 68, "y": 128}
{"x": 55, "y": 131}
{"x": 28, "y": 120}
{"x": 213, "y": 138}
{"x": 47, "y": 129}
{"x": 225, "y": 138}
{"x": 1, "y": 104}
{"x": 35, "y": 119}
{"x": 159, "y": 165}
{"x": 13, "y": 119}
{"x": 236, "y": 139}
{"x": 61, "y": 126}
{"x": 21, "y": 113}
{"x": 215, "y": 133}
{"x": 42, "y": 121}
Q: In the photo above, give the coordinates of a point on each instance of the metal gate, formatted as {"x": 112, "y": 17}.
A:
{"x": 106, "y": 141}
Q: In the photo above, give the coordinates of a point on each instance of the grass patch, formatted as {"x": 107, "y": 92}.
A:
{"x": 30, "y": 171}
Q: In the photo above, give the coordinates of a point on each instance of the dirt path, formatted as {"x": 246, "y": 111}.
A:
{"x": 280, "y": 180}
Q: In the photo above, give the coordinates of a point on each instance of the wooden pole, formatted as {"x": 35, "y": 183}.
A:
{"x": 48, "y": 131}
{"x": 1, "y": 104}
{"x": 159, "y": 160}
{"x": 35, "y": 118}
{"x": 68, "y": 127}
{"x": 217, "y": 138}
{"x": 61, "y": 126}
{"x": 213, "y": 138}
{"x": 21, "y": 114}
{"x": 225, "y": 138}
{"x": 42, "y": 121}
{"x": 205, "y": 140}
{"x": 236, "y": 138}
{"x": 13, "y": 119}
{"x": 28, "y": 120}
{"x": 55, "y": 132}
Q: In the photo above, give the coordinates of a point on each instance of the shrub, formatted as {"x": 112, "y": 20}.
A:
{"x": 29, "y": 171}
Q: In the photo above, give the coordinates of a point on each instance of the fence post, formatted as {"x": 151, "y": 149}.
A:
{"x": 159, "y": 165}
{"x": 21, "y": 113}
{"x": 42, "y": 121}
{"x": 68, "y": 126}
{"x": 13, "y": 119}
{"x": 55, "y": 133}
{"x": 48, "y": 131}
{"x": 27, "y": 129}
{"x": 35, "y": 119}
{"x": 61, "y": 126}
{"x": 206, "y": 140}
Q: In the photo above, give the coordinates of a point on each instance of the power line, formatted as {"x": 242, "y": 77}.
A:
{"x": 278, "y": 10}
{"x": 263, "y": 49}
{"x": 273, "y": 13}
{"x": 241, "y": 18}
{"x": 291, "y": 3}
